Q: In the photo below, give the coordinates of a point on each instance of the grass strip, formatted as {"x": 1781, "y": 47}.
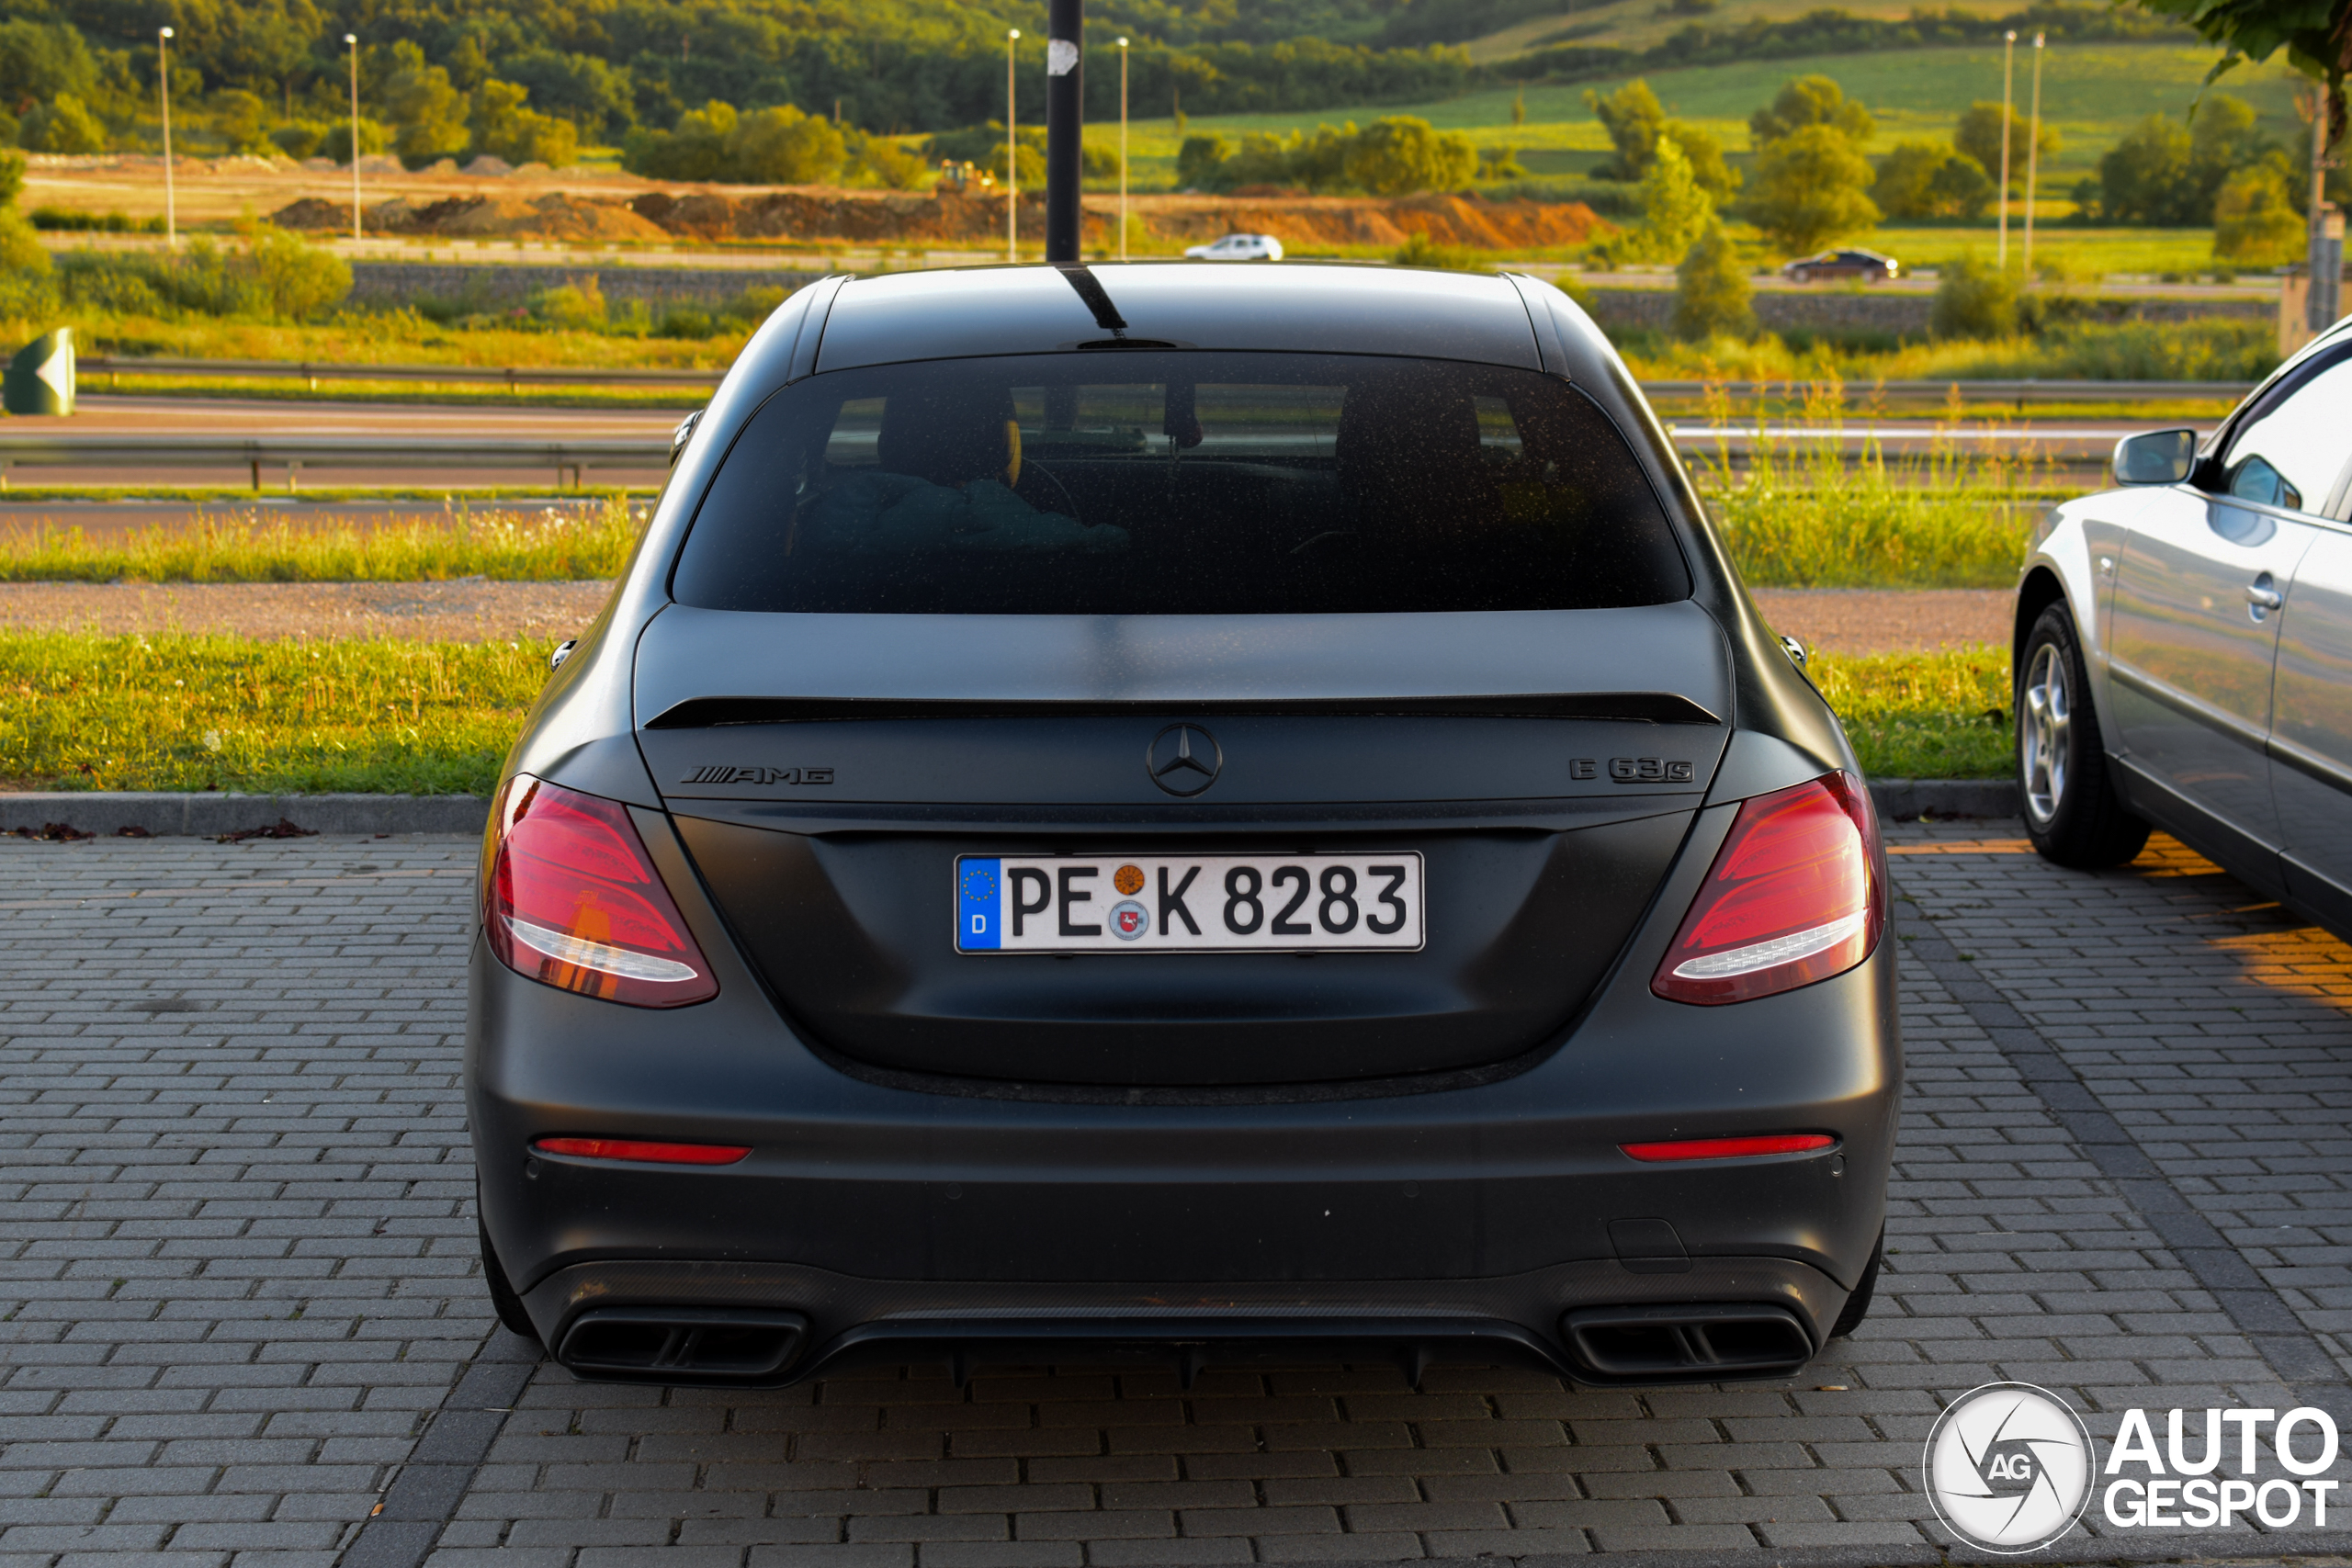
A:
{"x": 549, "y": 545}
{"x": 82, "y": 711}
{"x": 1922, "y": 715}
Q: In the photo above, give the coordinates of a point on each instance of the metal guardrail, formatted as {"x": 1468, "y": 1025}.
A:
{"x": 295, "y": 453}
{"x": 1972, "y": 391}
{"x": 2015, "y": 393}
{"x": 510, "y": 377}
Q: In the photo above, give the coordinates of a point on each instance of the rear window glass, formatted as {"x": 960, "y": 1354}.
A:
{"x": 1170, "y": 482}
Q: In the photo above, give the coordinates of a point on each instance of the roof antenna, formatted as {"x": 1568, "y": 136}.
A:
{"x": 1098, "y": 298}
{"x": 1065, "y": 129}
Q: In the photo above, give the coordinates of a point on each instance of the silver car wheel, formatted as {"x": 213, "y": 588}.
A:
{"x": 2043, "y": 715}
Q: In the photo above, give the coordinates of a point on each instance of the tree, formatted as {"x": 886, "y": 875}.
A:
{"x": 1675, "y": 209}
{"x": 41, "y": 60}
{"x": 62, "y": 125}
{"x": 2316, "y": 35}
{"x": 784, "y": 147}
{"x": 2144, "y": 177}
{"x": 2254, "y": 222}
{"x": 2223, "y": 139}
{"x": 504, "y": 128}
{"x": 1399, "y": 154}
{"x": 878, "y": 161}
{"x": 1198, "y": 159}
{"x": 596, "y": 96}
{"x": 1979, "y": 137}
{"x": 428, "y": 114}
{"x": 1633, "y": 116}
{"x": 241, "y": 119}
{"x": 1921, "y": 179}
{"x": 1810, "y": 101}
{"x": 1710, "y": 289}
{"x": 1808, "y": 189}
{"x": 1705, "y": 156}
{"x": 691, "y": 151}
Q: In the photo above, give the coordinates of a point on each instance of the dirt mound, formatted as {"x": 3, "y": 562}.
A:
{"x": 556, "y": 216}
{"x": 951, "y": 218}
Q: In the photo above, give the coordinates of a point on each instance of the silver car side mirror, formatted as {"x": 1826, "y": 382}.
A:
{"x": 2155, "y": 457}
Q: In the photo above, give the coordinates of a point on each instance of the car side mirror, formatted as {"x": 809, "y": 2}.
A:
{"x": 2155, "y": 457}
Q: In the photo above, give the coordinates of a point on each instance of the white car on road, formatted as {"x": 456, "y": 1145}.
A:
{"x": 1240, "y": 247}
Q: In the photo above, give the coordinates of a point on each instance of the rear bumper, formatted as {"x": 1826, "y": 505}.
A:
{"x": 835, "y": 1320}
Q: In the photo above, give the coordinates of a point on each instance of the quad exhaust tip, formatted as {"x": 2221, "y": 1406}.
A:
{"x": 683, "y": 1345}
{"x": 1687, "y": 1344}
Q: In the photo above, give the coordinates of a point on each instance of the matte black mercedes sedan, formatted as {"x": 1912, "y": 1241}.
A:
{"x": 1188, "y": 813}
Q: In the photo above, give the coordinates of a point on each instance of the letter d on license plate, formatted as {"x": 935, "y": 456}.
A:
{"x": 1188, "y": 903}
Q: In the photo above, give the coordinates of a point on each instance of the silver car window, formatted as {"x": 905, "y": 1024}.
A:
{"x": 2291, "y": 452}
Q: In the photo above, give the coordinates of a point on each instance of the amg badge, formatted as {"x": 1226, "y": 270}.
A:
{"x": 724, "y": 775}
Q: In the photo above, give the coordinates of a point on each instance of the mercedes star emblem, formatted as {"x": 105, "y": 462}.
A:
{"x": 1183, "y": 759}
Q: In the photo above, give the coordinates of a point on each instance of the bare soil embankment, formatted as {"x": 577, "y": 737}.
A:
{"x": 949, "y": 217}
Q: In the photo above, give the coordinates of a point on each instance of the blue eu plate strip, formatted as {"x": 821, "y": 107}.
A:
{"x": 979, "y": 905}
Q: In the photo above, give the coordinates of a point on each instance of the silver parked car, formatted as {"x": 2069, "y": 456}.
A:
{"x": 2184, "y": 647}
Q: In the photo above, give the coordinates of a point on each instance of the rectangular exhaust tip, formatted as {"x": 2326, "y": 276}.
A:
{"x": 682, "y": 1344}
{"x": 1687, "y": 1344}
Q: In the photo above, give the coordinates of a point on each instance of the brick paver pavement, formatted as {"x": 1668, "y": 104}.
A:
{"x": 241, "y": 1310}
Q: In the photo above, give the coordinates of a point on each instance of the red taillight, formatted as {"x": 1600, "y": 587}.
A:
{"x": 575, "y": 902}
{"x": 1731, "y": 1148}
{"x": 1797, "y": 893}
{"x": 643, "y": 1152}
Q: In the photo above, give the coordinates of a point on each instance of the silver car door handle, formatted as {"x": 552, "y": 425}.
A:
{"x": 2268, "y": 598}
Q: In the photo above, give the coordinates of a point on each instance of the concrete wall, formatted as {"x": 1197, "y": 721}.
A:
{"x": 1844, "y": 310}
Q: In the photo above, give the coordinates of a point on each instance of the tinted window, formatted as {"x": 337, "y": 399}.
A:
{"x": 2292, "y": 450}
{"x": 1162, "y": 482}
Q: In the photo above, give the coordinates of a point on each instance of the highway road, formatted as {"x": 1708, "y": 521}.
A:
{"x": 2077, "y": 444}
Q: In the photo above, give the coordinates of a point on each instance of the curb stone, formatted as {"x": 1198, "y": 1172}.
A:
{"x": 107, "y": 813}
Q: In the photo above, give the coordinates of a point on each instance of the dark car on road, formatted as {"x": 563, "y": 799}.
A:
{"x": 2183, "y": 647}
{"x": 1870, "y": 266}
{"x": 1185, "y": 813}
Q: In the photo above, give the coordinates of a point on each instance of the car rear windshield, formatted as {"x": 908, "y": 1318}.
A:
{"x": 1148, "y": 481}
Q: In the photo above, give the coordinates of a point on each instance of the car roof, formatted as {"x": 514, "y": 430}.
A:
{"x": 947, "y": 313}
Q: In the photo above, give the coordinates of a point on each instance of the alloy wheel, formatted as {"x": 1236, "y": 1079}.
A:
{"x": 2043, "y": 715}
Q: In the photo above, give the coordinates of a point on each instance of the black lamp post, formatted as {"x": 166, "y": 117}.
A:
{"x": 1065, "y": 125}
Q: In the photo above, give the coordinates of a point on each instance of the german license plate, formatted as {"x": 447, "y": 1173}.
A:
{"x": 1188, "y": 903}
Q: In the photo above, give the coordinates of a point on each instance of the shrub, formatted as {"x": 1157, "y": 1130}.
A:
{"x": 300, "y": 139}
{"x": 502, "y": 128}
{"x": 1979, "y": 137}
{"x": 1420, "y": 250}
{"x": 336, "y": 144}
{"x": 880, "y": 161}
{"x": 1976, "y": 299}
{"x": 1919, "y": 179}
{"x": 273, "y": 277}
{"x": 1711, "y": 293}
{"x": 577, "y": 305}
{"x": 12, "y": 175}
{"x": 21, "y": 252}
{"x": 1808, "y": 102}
{"x": 1675, "y": 212}
{"x": 783, "y": 146}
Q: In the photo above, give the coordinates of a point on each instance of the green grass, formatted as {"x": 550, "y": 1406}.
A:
{"x": 438, "y": 393}
{"x": 451, "y": 495}
{"x": 1922, "y": 715}
{"x": 547, "y": 546}
{"x": 80, "y": 710}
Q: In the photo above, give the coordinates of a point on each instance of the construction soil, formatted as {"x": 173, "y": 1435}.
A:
{"x": 608, "y": 206}
{"x": 1834, "y": 620}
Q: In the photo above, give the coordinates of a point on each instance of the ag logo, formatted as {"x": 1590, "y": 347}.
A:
{"x": 2009, "y": 1467}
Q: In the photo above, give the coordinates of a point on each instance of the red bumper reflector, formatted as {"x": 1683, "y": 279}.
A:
{"x": 1730, "y": 1148}
{"x": 644, "y": 1153}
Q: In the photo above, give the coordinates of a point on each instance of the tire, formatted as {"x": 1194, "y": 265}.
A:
{"x": 502, "y": 1294}
{"x": 1858, "y": 1306}
{"x": 2065, "y": 787}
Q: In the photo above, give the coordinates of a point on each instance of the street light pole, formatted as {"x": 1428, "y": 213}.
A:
{"x": 1012, "y": 154}
{"x": 163, "y": 82}
{"x": 351, "y": 41}
{"x": 1123, "y": 149}
{"x": 1065, "y": 129}
{"x": 2032, "y": 154}
{"x": 2009, "y": 58}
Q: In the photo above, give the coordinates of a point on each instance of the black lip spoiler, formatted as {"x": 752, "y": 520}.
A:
{"x": 1641, "y": 707}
